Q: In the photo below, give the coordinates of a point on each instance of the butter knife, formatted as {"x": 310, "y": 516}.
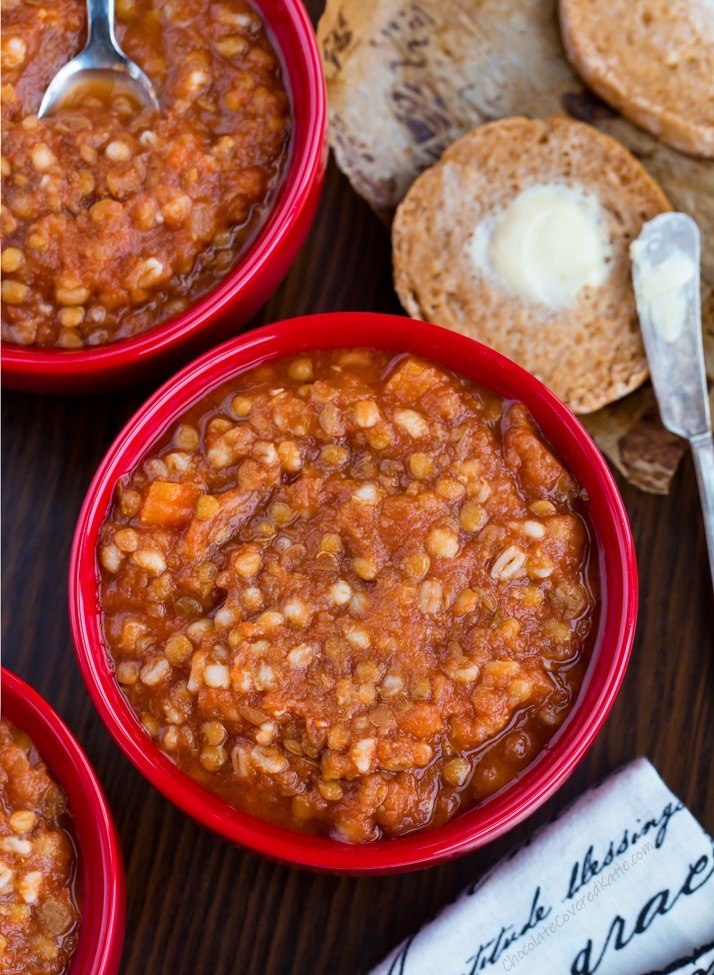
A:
{"x": 665, "y": 274}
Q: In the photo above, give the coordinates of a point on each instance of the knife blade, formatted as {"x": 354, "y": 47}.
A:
{"x": 665, "y": 275}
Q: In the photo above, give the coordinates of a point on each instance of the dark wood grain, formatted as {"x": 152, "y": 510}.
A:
{"x": 198, "y": 906}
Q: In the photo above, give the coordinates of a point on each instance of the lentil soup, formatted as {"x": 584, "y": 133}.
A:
{"x": 39, "y": 916}
{"x": 115, "y": 219}
{"x": 350, "y": 592}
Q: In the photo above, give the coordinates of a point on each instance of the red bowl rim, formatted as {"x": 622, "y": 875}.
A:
{"x": 101, "y": 932}
{"x": 292, "y": 196}
{"x": 608, "y": 521}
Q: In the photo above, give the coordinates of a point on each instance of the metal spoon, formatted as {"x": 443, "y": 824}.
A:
{"x": 101, "y": 65}
{"x": 665, "y": 272}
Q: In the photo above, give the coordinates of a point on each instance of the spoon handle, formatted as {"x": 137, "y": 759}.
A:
{"x": 100, "y": 24}
{"x": 703, "y": 453}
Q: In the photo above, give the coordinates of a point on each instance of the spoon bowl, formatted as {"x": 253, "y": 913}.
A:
{"x": 101, "y": 68}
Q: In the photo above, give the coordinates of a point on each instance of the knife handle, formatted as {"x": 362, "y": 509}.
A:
{"x": 703, "y": 453}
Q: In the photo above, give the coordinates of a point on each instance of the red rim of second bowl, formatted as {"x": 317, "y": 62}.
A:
{"x": 617, "y": 569}
{"x": 298, "y": 193}
{"x": 101, "y": 869}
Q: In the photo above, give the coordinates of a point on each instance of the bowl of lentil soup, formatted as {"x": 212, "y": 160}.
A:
{"x": 65, "y": 915}
{"x": 130, "y": 240}
{"x": 348, "y": 607}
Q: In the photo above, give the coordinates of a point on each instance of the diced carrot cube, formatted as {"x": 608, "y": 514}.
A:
{"x": 169, "y": 504}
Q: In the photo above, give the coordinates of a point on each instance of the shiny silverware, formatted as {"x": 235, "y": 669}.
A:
{"x": 666, "y": 279}
{"x": 101, "y": 66}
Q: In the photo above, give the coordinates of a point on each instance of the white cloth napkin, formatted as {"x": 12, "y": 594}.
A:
{"x": 703, "y": 964}
{"x": 622, "y": 883}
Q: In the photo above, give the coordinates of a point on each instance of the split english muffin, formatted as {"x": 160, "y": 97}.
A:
{"x": 653, "y": 60}
{"x": 519, "y": 237}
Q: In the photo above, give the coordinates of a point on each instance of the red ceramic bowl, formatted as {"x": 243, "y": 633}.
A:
{"x": 247, "y": 287}
{"x": 101, "y": 871}
{"x": 609, "y": 524}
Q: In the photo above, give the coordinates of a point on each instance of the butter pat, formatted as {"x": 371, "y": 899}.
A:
{"x": 663, "y": 288}
{"x": 548, "y": 244}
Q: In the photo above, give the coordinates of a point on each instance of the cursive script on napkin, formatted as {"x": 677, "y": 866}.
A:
{"x": 622, "y": 882}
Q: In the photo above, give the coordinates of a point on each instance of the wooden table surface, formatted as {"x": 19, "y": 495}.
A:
{"x": 195, "y": 904}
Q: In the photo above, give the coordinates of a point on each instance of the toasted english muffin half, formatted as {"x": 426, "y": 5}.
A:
{"x": 519, "y": 237}
{"x": 653, "y": 60}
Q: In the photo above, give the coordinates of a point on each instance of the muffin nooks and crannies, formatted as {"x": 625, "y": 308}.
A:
{"x": 519, "y": 238}
{"x": 653, "y": 60}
